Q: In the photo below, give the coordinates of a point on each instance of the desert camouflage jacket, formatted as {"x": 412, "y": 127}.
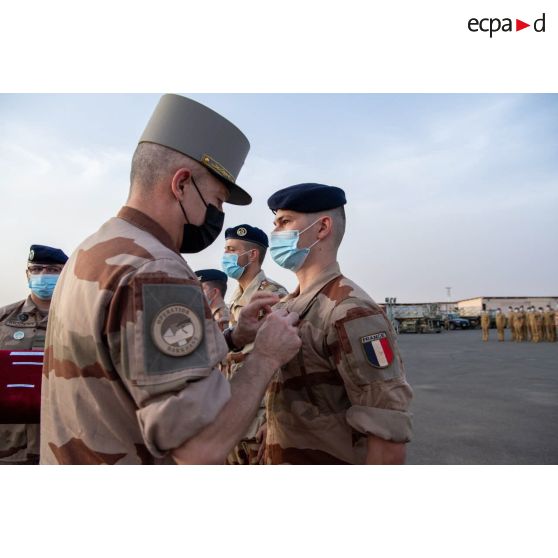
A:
{"x": 131, "y": 350}
{"x": 346, "y": 382}
{"x": 234, "y": 360}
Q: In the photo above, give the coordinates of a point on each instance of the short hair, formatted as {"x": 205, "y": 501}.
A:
{"x": 152, "y": 163}
{"x": 221, "y": 285}
{"x": 339, "y": 219}
{"x": 262, "y": 250}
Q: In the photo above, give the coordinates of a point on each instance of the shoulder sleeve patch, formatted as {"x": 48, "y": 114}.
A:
{"x": 173, "y": 328}
{"x": 366, "y": 347}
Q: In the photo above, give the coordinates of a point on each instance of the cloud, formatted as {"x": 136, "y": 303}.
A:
{"x": 442, "y": 189}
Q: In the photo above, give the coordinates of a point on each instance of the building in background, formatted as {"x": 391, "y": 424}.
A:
{"x": 427, "y": 317}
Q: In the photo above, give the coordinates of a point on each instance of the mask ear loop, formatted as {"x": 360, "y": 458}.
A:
{"x": 303, "y": 231}
{"x": 201, "y": 197}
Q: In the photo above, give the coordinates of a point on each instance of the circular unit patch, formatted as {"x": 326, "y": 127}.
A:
{"x": 19, "y": 335}
{"x": 241, "y": 231}
{"x": 176, "y": 330}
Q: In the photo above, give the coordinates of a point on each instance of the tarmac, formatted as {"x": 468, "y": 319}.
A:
{"x": 481, "y": 402}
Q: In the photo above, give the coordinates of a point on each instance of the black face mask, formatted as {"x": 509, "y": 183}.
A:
{"x": 197, "y": 237}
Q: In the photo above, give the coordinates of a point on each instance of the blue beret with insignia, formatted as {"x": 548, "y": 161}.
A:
{"x": 248, "y": 233}
{"x": 40, "y": 254}
{"x": 307, "y": 198}
{"x": 205, "y": 275}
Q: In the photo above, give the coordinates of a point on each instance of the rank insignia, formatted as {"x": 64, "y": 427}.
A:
{"x": 377, "y": 349}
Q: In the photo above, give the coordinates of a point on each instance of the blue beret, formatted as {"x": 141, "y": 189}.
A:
{"x": 307, "y": 198}
{"x": 205, "y": 275}
{"x": 248, "y": 233}
{"x": 46, "y": 255}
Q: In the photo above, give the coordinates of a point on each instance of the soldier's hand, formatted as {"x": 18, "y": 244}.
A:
{"x": 252, "y": 317}
{"x": 277, "y": 339}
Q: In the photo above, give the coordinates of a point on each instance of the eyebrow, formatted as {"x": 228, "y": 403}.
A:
{"x": 279, "y": 219}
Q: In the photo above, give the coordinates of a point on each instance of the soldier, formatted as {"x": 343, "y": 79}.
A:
{"x": 530, "y": 320}
{"x": 344, "y": 398}
{"x": 538, "y": 324}
{"x": 518, "y": 322}
{"x": 245, "y": 250}
{"x": 500, "y": 324}
{"x": 23, "y": 327}
{"x": 214, "y": 284}
{"x": 525, "y": 327}
{"x": 510, "y": 322}
{"x": 485, "y": 324}
{"x": 549, "y": 324}
{"x": 130, "y": 372}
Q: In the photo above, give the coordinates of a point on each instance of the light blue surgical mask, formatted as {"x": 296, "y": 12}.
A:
{"x": 42, "y": 285}
{"x": 284, "y": 251}
{"x": 229, "y": 264}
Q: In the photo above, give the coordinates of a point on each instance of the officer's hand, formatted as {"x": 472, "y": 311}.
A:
{"x": 251, "y": 317}
{"x": 277, "y": 340}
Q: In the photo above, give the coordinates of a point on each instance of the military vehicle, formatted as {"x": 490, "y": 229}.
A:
{"x": 415, "y": 318}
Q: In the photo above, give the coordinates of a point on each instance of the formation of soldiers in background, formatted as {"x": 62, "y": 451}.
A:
{"x": 535, "y": 324}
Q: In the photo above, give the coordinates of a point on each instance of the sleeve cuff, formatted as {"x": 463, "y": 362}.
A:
{"x": 168, "y": 422}
{"x": 394, "y": 426}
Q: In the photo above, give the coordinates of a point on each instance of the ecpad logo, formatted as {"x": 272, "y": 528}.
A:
{"x": 493, "y": 25}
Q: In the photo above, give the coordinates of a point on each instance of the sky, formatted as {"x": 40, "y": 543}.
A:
{"x": 457, "y": 190}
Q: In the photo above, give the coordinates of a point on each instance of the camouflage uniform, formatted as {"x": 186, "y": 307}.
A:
{"x": 510, "y": 317}
{"x": 222, "y": 316}
{"x": 525, "y": 326}
{"x": 246, "y": 451}
{"x": 538, "y": 324}
{"x": 530, "y": 318}
{"x": 485, "y": 324}
{"x": 549, "y": 326}
{"x": 500, "y": 325}
{"x": 131, "y": 350}
{"x": 518, "y": 325}
{"x": 22, "y": 327}
{"x": 346, "y": 382}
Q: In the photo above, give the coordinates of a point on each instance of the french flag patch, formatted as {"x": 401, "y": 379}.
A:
{"x": 377, "y": 349}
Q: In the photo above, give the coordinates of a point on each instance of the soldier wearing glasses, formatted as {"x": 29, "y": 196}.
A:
{"x": 23, "y": 327}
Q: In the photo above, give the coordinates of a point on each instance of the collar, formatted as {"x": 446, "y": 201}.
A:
{"x": 147, "y": 224}
{"x": 245, "y": 296}
{"x": 219, "y": 308}
{"x": 298, "y": 302}
{"x": 29, "y": 307}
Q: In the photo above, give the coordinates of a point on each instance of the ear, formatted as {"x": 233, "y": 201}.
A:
{"x": 254, "y": 255}
{"x": 325, "y": 227}
{"x": 179, "y": 181}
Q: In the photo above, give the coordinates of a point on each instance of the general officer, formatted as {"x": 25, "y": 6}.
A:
{"x": 23, "y": 327}
{"x": 132, "y": 349}
{"x": 245, "y": 251}
{"x": 214, "y": 284}
{"x": 343, "y": 398}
